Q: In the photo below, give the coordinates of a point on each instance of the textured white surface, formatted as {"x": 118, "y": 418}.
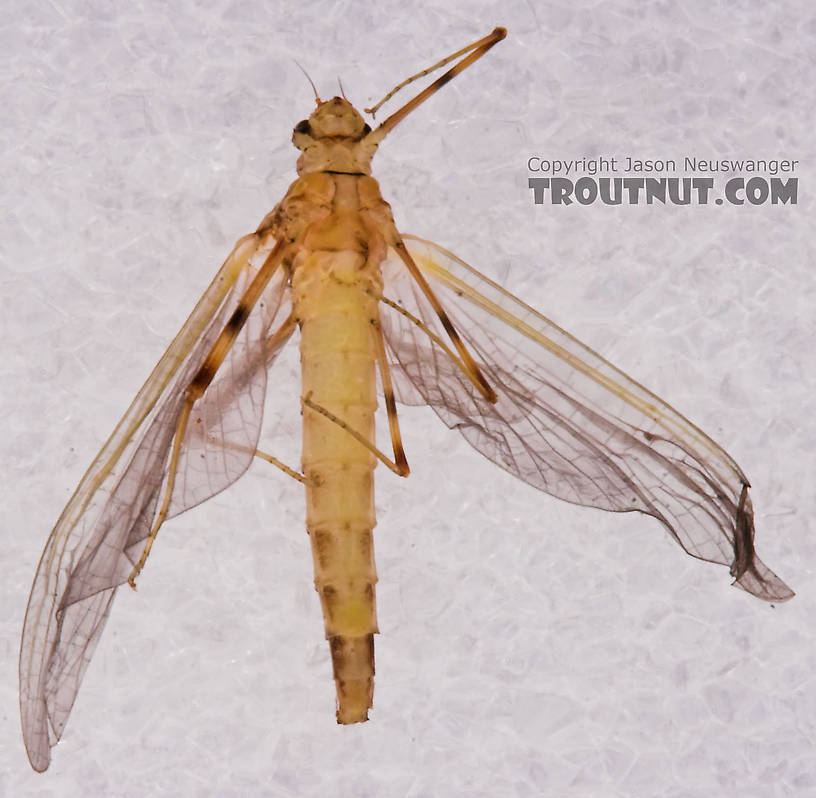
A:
{"x": 528, "y": 647}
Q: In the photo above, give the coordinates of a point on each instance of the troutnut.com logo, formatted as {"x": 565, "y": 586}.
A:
{"x": 755, "y": 181}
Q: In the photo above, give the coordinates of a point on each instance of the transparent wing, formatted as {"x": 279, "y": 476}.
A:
{"x": 566, "y": 421}
{"x": 100, "y": 534}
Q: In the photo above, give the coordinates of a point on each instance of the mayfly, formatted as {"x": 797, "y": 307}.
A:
{"x": 369, "y": 304}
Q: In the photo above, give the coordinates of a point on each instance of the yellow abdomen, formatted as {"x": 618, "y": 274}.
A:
{"x": 338, "y": 371}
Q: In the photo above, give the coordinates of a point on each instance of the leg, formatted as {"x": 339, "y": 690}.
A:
{"x": 201, "y": 381}
{"x": 400, "y": 469}
{"x": 390, "y": 402}
{"x": 468, "y": 364}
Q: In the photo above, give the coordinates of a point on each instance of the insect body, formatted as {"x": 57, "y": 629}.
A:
{"x": 336, "y": 279}
{"x": 330, "y": 261}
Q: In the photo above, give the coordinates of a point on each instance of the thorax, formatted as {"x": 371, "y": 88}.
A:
{"x": 336, "y": 225}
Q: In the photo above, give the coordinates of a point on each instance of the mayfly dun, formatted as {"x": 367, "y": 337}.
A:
{"x": 372, "y": 306}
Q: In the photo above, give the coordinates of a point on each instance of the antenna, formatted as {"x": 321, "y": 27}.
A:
{"x": 311, "y": 82}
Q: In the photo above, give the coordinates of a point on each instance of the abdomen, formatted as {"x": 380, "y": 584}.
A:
{"x": 338, "y": 371}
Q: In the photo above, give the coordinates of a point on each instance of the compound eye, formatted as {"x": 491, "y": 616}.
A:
{"x": 366, "y": 129}
{"x": 303, "y": 127}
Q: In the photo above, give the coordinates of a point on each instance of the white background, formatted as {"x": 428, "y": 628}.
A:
{"x": 528, "y": 647}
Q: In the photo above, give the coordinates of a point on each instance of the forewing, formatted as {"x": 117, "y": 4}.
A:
{"x": 566, "y": 421}
{"x": 100, "y": 534}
